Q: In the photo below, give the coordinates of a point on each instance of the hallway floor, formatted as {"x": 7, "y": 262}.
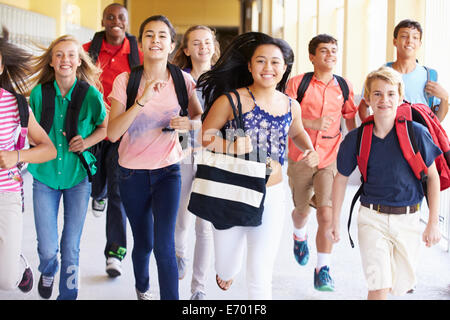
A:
{"x": 290, "y": 281}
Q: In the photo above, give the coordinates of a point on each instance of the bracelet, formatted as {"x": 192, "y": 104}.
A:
{"x": 140, "y": 105}
{"x": 18, "y": 157}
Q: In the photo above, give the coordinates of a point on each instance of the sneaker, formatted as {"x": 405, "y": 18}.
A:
{"x": 322, "y": 280}
{"x": 113, "y": 267}
{"x": 26, "y": 284}
{"x": 98, "y": 206}
{"x": 144, "y": 295}
{"x": 181, "y": 264}
{"x": 198, "y": 295}
{"x": 45, "y": 286}
{"x": 301, "y": 251}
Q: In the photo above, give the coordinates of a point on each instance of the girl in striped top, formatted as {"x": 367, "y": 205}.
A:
{"x": 14, "y": 69}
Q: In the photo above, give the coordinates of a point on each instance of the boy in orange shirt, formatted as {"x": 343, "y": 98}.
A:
{"x": 323, "y": 105}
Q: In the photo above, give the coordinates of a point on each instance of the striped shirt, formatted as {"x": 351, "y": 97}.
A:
{"x": 9, "y": 123}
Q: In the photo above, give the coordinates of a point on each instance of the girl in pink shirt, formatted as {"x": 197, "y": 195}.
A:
{"x": 14, "y": 68}
{"x": 150, "y": 179}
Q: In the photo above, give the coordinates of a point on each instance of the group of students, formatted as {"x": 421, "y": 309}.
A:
{"x": 146, "y": 174}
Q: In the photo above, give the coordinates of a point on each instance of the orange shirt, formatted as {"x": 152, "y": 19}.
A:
{"x": 322, "y": 99}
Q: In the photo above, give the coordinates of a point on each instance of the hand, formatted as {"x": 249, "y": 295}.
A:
{"x": 8, "y": 159}
{"x": 311, "y": 158}
{"x": 435, "y": 89}
{"x": 322, "y": 124}
{"x": 180, "y": 123}
{"x": 77, "y": 145}
{"x": 241, "y": 145}
{"x": 333, "y": 234}
{"x": 151, "y": 87}
{"x": 431, "y": 235}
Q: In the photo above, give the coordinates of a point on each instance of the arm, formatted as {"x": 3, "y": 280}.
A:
{"x": 362, "y": 110}
{"x": 301, "y": 138}
{"x": 432, "y": 235}
{"x": 121, "y": 119}
{"x": 338, "y": 195}
{"x": 218, "y": 115}
{"x": 43, "y": 151}
{"x": 435, "y": 89}
{"x": 78, "y": 144}
{"x": 193, "y": 121}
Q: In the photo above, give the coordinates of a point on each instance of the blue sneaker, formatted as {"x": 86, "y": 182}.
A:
{"x": 322, "y": 280}
{"x": 301, "y": 251}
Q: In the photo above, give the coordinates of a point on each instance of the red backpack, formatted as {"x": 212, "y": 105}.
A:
{"x": 406, "y": 114}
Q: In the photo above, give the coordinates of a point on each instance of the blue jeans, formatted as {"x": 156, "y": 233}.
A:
{"x": 151, "y": 199}
{"x": 105, "y": 184}
{"x": 46, "y": 204}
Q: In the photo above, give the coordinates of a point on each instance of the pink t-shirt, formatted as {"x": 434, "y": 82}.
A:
{"x": 144, "y": 145}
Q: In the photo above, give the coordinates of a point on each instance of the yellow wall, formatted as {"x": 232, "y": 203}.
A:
{"x": 183, "y": 14}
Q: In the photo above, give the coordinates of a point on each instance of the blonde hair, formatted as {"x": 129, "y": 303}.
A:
{"x": 386, "y": 74}
{"x": 182, "y": 60}
{"x": 87, "y": 71}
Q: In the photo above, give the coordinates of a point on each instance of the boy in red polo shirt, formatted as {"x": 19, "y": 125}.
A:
{"x": 323, "y": 105}
{"x": 113, "y": 58}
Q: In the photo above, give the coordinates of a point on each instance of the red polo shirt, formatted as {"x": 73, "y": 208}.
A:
{"x": 113, "y": 60}
{"x": 322, "y": 99}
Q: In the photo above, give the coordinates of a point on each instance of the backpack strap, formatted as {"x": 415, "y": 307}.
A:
{"x": 24, "y": 115}
{"x": 48, "y": 106}
{"x": 344, "y": 87}
{"x": 133, "y": 58}
{"x": 96, "y": 45}
{"x": 73, "y": 112}
{"x": 303, "y": 86}
{"x": 363, "y": 145}
{"x": 180, "y": 88}
{"x": 133, "y": 84}
{"x": 431, "y": 76}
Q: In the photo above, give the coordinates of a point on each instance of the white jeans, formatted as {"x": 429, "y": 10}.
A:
{"x": 11, "y": 220}
{"x": 262, "y": 247}
{"x": 203, "y": 232}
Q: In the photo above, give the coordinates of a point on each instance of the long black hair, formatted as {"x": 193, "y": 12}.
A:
{"x": 16, "y": 66}
{"x": 231, "y": 70}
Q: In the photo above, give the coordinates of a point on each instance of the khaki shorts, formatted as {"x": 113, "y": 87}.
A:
{"x": 389, "y": 245}
{"x": 310, "y": 186}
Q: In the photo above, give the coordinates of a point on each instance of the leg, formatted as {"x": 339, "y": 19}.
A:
{"x": 184, "y": 217}
{"x": 76, "y": 201}
{"x": 378, "y": 294}
{"x": 11, "y": 222}
{"x": 99, "y": 178}
{"x": 202, "y": 254}
{"x": 263, "y": 244}
{"x": 45, "y": 205}
{"x": 116, "y": 220}
{"x": 137, "y": 200}
{"x": 166, "y": 185}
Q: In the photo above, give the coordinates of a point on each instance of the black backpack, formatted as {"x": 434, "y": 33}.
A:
{"x": 180, "y": 89}
{"x": 96, "y": 44}
{"x": 73, "y": 112}
{"x": 303, "y": 86}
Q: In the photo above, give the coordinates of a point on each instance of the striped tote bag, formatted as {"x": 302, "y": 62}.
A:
{"x": 228, "y": 190}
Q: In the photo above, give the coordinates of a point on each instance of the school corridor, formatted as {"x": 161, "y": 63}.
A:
{"x": 290, "y": 280}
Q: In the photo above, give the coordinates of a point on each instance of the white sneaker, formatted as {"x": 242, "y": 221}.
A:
{"x": 113, "y": 267}
{"x": 144, "y": 295}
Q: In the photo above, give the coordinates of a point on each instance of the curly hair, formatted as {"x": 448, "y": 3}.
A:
{"x": 16, "y": 66}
